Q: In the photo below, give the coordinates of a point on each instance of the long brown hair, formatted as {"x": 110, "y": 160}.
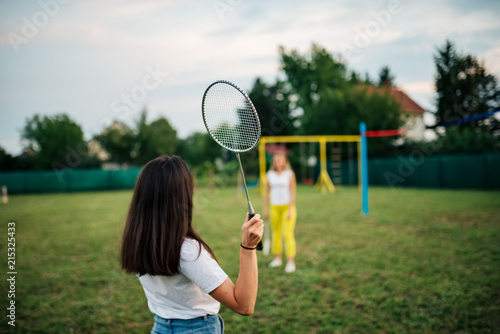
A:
{"x": 159, "y": 218}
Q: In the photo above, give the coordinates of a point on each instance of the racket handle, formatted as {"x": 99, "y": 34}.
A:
{"x": 259, "y": 246}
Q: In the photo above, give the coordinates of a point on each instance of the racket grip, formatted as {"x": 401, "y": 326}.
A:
{"x": 259, "y": 246}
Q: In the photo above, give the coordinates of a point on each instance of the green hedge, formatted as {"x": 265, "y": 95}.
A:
{"x": 69, "y": 180}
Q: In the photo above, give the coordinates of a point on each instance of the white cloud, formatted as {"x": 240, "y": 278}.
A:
{"x": 11, "y": 145}
{"x": 492, "y": 60}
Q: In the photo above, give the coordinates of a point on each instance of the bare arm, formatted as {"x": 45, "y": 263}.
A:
{"x": 241, "y": 297}
{"x": 293, "y": 193}
{"x": 266, "y": 200}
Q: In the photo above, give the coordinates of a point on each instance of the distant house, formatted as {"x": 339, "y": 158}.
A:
{"x": 415, "y": 126}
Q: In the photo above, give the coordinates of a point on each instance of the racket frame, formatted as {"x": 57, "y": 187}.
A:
{"x": 251, "y": 211}
{"x": 250, "y": 103}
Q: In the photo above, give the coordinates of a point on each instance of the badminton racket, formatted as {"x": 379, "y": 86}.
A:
{"x": 232, "y": 121}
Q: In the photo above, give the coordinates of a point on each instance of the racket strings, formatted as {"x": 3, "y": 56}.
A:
{"x": 230, "y": 118}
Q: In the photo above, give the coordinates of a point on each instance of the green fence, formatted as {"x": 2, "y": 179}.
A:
{"x": 481, "y": 171}
{"x": 69, "y": 180}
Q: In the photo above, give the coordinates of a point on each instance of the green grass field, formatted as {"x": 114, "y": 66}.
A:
{"x": 423, "y": 261}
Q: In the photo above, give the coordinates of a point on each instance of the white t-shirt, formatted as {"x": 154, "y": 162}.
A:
{"x": 185, "y": 295}
{"x": 280, "y": 187}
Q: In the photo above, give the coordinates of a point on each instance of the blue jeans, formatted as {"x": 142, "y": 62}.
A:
{"x": 207, "y": 324}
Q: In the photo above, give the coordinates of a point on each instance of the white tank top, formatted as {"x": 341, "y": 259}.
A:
{"x": 280, "y": 187}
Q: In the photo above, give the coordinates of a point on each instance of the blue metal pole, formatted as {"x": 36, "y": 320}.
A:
{"x": 364, "y": 168}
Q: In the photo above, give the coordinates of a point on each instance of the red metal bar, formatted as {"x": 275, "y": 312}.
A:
{"x": 385, "y": 133}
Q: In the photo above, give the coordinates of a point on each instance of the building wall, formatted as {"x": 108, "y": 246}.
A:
{"x": 415, "y": 127}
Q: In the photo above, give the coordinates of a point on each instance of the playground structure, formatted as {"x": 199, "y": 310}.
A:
{"x": 323, "y": 182}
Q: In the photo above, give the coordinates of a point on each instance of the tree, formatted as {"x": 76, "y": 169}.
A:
{"x": 118, "y": 141}
{"x": 6, "y": 160}
{"x": 153, "y": 139}
{"x": 54, "y": 140}
{"x": 335, "y": 100}
{"x": 273, "y": 106}
{"x": 310, "y": 75}
{"x": 140, "y": 144}
{"x": 340, "y": 112}
{"x": 385, "y": 77}
{"x": 198, "y": 148}
{"x": 464, "y": 88}
{"x": 466, "y": 141}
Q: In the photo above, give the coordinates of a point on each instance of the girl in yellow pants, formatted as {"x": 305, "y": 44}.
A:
{"x": 280, "y": 194}
{"x": 283, "y": 224}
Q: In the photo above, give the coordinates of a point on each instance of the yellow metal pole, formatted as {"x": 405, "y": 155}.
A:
{"x": 324, "y": 180}
{"x": 262, "y": 166}
{"x": 298, "y": 139}
{"x": 322, "y": 158}
{"x": 359, "y": 165}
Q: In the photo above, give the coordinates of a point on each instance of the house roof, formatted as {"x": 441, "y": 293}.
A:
{"x": 406, "y": 103}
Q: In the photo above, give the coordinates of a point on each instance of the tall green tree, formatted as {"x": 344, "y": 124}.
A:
{"x": 464, "y": 88}
{"x": 385, "y": 77}
{"x": 273, "y": 106}
{"x": 335, "y": 100}
{"x": 118, "y": 141}
{"x": 309, "y": 75}
{"x": 153, "y": 139}
{"x": 6, "y": 160}
{"x": 140, "y": 144}
{"x": 54, "y": 140}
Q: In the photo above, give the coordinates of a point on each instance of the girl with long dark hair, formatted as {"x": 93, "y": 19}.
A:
{"x": 180, "y": 275}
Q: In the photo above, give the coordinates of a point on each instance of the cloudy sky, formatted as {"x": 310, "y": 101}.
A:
{"x": 105, "y": 60}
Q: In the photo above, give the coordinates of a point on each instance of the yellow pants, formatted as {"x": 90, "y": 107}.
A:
{"x": 281, "y": 225}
